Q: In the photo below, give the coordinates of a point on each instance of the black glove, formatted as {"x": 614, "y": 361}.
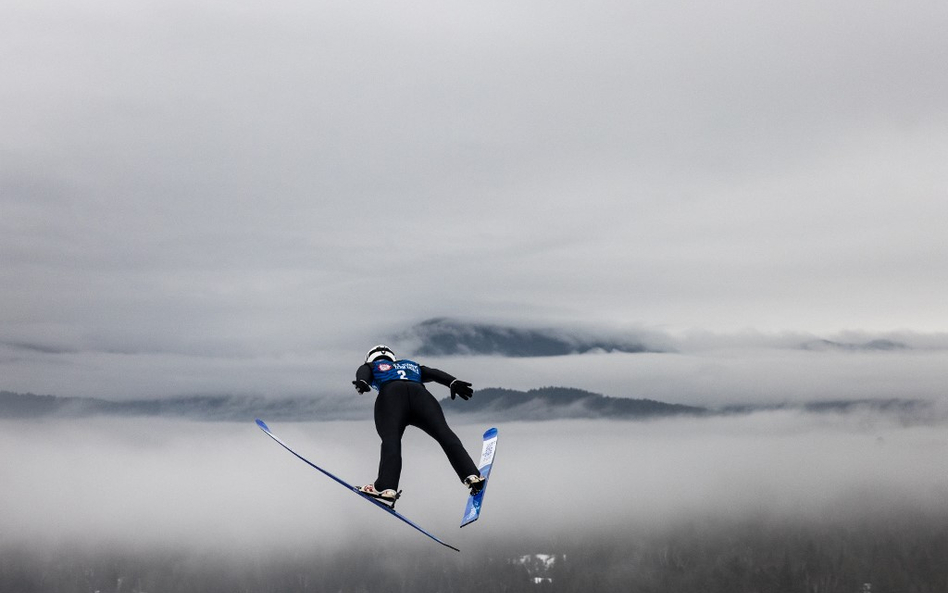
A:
{"x": 361, "y": 386}
{"x": 462, "y": 388}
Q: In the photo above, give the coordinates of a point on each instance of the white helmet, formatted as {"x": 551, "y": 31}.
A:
{"x": 380, "y": 351}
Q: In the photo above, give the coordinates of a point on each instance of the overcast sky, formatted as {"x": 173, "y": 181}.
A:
{"x": 210, "y": 196}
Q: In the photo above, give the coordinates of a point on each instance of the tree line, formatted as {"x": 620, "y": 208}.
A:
{"x": 754, "y": 556}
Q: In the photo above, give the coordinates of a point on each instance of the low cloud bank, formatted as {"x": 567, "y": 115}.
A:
{"x": 225, "y": 486}
{"x": 691, "y": 368}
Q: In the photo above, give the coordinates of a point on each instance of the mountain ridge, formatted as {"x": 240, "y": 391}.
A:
{"x": 555, "y": 403}
{"x": 493, "y": 403}
{"x": 444, "y": 336}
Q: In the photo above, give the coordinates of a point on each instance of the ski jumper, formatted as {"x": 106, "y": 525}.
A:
{"x": 404, "y": 401}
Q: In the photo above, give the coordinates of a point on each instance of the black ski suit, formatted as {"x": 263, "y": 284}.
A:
{"x": 405, "y": 402}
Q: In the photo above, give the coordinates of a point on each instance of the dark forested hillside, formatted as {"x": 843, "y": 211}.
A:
{"x": 886, "y": 556}
{"x": 562, "y": 402}
{"x": 443, "y": 336}
{"x": 537, "y": 404}
{"x": 546, "y": 403}
{"x": 198, "y": 407}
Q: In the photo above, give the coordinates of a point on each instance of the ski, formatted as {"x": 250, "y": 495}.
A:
{"x": 473, "y": 509}
{"x": 348, "y": 486}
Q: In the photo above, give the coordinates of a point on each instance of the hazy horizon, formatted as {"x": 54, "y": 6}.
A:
{"x": 160, "y": 482}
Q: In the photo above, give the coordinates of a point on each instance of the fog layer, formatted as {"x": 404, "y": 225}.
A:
{"x": 228, "y": 487}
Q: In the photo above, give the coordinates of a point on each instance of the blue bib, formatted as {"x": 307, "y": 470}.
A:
{"x": 384, "y": 371}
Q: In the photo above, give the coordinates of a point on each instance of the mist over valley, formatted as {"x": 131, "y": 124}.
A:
{"x": 745, "y": 462}
{"x": 150, "y": 497}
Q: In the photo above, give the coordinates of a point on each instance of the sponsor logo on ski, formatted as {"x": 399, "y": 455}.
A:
{"x": 488, "y": 453}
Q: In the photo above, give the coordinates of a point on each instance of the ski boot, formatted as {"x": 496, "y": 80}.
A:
{"x": 474, "y": 483}
{"x": 387, "y": 496}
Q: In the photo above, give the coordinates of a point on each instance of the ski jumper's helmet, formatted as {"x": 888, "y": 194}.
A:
{"x": 380, "y": 351}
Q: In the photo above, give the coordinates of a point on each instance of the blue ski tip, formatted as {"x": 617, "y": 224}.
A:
{"x": 263, "y": 425}
{"x": 491, "y": 432}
